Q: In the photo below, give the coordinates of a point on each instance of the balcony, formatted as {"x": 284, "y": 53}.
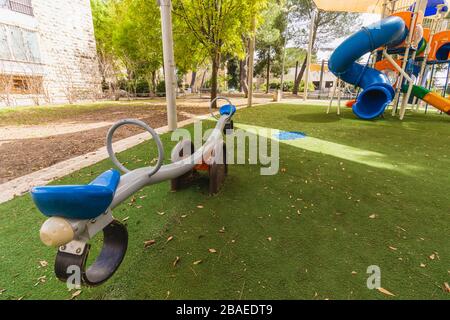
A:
{"x": 21, "y": 6}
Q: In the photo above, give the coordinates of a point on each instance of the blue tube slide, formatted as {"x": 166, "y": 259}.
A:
{"x": 377, "y": 92}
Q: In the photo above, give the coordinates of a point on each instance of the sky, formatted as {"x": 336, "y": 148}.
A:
{"x": 367, "y": 19}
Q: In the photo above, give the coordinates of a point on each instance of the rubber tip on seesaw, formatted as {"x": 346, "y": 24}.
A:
{"x": 56, "y": 232}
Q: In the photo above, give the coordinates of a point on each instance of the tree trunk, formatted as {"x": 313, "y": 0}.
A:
{"x": 268, "y": 71}
{"x": 154, "y": 85}
{"x": 299, "y": 77}
{"x": 243, "y": 77}
{"x": 215, "y": 76}
{"x": 193, "y": 79}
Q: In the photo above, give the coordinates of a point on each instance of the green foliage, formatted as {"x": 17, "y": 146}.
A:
{"x": 288, "y": 86}
{"x": 161, "y": 88}
{"x": 102, "y": 16}
{"x": 270, "y": 38}
{"x": 233, "y": 73}
{"x": 218, "y": 25}
{"x": 137, "y": 36}
{"x": 328, "y": 26}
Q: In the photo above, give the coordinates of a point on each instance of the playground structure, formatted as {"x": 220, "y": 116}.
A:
{"x": 76, "y": 214}
{"x": 411, "y": 38}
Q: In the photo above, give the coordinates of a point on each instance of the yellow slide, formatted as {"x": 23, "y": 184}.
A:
{"x": 432, "y": 98}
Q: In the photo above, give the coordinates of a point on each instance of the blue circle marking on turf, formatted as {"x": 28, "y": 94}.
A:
{"x": 290, "y": 135}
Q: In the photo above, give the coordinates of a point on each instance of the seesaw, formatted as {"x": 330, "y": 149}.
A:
{"x": 78, "y": 213}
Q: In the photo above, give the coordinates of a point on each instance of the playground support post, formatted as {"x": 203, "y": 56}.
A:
{"x": 169, "y": 62}
{"x": 405, "y": 60}
{"x": 430, "y": 85}
{"x": 251, "y": 62}
{"x": 309, "y": 57}
{"x": 444, "y": 93}
{"x": 322, "y": 71}
{"x": 419, "y": 5}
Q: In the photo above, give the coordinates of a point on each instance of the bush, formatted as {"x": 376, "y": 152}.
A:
{"x": 288, "y": 86}
{"x": 161, "y": 89}
{"x": 142, "y": 87}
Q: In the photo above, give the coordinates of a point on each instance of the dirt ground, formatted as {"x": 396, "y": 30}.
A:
{"x": 21, "y": 155}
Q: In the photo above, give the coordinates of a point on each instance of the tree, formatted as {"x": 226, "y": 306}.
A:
{"x": 218, "y": 25}
{"x": 137, "y": 39}
{"x": 270, "y": 38}
{"x": 103, "y": 19}
{"x": 328, "y": 25}
{"x": 233, "y": 73}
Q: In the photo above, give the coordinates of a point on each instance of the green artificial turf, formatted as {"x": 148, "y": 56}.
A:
{"x": 309, "y": 232}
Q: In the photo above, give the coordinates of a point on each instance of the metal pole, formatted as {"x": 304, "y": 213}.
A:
{"x": 251, "y": 62}
{"x": 282, "y": 69}
{"x": 446, "y": 81}
{"x": 169, "y": 63}
{"x": 310, "y": 48}
{"x": 335, "y": 83}
{"x": 431, "y": 84}
{"x": 405, "y": 61}
{"x": 406, "y": 96}
{"x": 322, "y": 70}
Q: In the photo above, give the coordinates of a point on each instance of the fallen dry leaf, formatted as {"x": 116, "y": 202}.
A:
{"x": 200, "y": 207}
{"x": 212, "y": 250}
{"x": 197, "y": 262}
{"x": 125, "y": 219}
{"x": 2, "y": 290}
{"x": 433, "y": 256}
{"x": 269, "y": 238}
{"x": 177, "y": 259}
{"x": 423, "y": 265}
{"x": 372, "y": 216}
{"x": 43, "y": 263}
{"x": 393, "y": 248}
{"x": 169, "y": 239}
{"x": 386, "y": 292}
{"x": 75, "y": 294}
{"x": 446, "y": 287}
{"x": 149, "y": 243}
{"x": 354, "y": 273}
{"x": 161, "y": 213}
{"x": 40, "y": 280}
{"x": 222, "y": 230}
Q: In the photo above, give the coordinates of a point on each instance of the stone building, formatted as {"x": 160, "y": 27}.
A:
{"x": 47, "y": 52}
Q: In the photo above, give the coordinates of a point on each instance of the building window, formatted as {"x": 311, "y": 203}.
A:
{"x": 21, "y": 6}
{"x": 17, "y": 84}
{"x": 19, "y": 44}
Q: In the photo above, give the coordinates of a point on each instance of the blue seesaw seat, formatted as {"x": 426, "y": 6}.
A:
{"x": 227, "y": 110}
{"x": 78, "y": 202}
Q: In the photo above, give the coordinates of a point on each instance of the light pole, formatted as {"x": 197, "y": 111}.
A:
{"x": 310, "y": 49}
{"x": 169, "y": 62}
